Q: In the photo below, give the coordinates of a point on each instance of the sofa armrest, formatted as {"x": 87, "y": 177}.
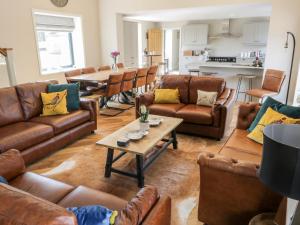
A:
{"x": 18, "y": 207}
{"x": 246, "y": 115}
{"x": 89, "y": 105}
{"x": 222, "y": 110}
{"x": 232, "y": 189}
{"x": 11, "y": 164}
{"x": 139, "y": 207}
{"x": 146, "y": 99}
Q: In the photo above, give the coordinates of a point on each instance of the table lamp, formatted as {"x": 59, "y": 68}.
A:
{"x": 280, "y": 167}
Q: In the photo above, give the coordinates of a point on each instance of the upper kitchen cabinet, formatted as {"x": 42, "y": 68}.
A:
{"x": 256, "y": 33}
{"x": 195, "y": 34}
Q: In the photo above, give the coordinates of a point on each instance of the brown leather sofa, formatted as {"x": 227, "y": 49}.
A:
{"x": 230, "y": 191}
{"x": 36, "y": 200}
{"x": 199, "y": 120}
{"x": 22, "y": 128}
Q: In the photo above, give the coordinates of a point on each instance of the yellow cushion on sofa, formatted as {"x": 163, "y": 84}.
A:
{"x": 270, "y": 117}
{"x": 54, "y": 103}
{"x": 166, "y": 96}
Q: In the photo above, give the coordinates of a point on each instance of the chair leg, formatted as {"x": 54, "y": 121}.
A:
{"x": 238, "y": 88}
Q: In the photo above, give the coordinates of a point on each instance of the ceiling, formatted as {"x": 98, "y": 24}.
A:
{"x": 204, "y": 13}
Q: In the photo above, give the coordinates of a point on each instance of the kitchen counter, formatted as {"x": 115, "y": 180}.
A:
{"x": 229, "y": 65}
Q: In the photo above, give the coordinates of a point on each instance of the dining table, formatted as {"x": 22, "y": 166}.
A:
{"x": 100, "y": 76}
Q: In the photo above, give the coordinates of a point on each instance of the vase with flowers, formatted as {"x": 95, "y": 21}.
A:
{"x": 144, "y": 114}
{"x": 114, "y": 56}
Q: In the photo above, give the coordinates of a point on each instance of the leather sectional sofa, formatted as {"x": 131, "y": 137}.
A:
{"x": 198, "y": 120}
{"x": 22, "y": 128}
{"x": 230, "y": 191}
{"x": 36, "y": 200}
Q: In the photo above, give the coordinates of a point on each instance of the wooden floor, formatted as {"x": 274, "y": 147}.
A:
{"x": 175, "y": 173}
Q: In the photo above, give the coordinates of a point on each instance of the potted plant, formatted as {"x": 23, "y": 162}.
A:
{"x": 144, "y": 114}
{"x": 115, "y": 55}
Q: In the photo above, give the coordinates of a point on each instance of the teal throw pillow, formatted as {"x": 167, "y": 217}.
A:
{"x": 73, "y": 100}
{"x": 290, "y": 111}
{"x": 3, "y": 180}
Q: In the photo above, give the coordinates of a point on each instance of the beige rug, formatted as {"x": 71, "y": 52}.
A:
{"x": 175, "y": 173}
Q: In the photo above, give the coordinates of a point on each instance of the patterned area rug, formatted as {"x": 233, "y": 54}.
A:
{"x": 175, "y": 173}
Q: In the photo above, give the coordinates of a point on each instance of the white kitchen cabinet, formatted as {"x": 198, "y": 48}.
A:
{"x": 256, "y": 33}
{"x": 195, "y": 34}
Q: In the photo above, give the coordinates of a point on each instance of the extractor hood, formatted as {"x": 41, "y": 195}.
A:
{"x": 223, "y": 30}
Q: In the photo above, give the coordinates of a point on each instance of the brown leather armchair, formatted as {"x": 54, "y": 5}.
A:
{"x": 199, "y": 120}
{"x": 37, "y": 200}
{"x": 230, "y": 190}
{"x": 271, "y": 86}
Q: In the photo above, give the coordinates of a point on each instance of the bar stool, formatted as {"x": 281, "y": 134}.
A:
{"x": 197, "y": 71}
{"x": 248, "y": 77}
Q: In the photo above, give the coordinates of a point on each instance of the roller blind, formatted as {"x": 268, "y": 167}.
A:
{"x": 48, "y": 22}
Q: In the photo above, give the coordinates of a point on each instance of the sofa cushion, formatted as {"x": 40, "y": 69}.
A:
{"x": 11, "y": 164}
{"x": 61, "y": 123}
{"x": 240, "y": 147}
{"x": 82, "y": 196}
{"x": 10, "y": 108}
{"x": 196, "y": 114}
{"x": 165, "y": 109}
{"x": 30, "y": 98}
{"x": 42, "y": 187}
{"x": 23, "y": 135}
{"x": 181, "y": 82}
{"x": 210, "y": 84}
{"x": 20, "y": 208}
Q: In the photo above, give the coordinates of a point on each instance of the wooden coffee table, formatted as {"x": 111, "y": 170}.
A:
{"x": 142, "y": 147}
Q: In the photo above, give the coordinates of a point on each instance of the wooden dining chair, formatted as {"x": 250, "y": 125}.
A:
{"x": 140, "y": 79}
{"x": 271, "y": 86}
{"x": 72, "y": 73}
{"x": 120, "y": 65}
{"x": 151, "y": 77}
{"x": 88, "y": 70}
{"x": 103, "y": 68}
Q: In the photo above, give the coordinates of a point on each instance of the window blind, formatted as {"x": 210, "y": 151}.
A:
{"x": 54, "y": 23}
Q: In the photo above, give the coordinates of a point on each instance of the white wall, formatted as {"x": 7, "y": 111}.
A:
{"x": 285, "y": 17}
{"x": 17, "y": 32}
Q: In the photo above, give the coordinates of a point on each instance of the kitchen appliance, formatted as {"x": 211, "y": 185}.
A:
{"x": 222, "y": 59}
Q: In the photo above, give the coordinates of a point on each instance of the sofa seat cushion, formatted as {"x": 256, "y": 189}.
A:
{"x": 196, "y": 114}
{"x": 165, "y": 109}
{"x": 82, "y": 196}
{"x": 42, "y": 187}
{"x": 61, "y": 123}
{"x": 240, "y": 147}
{"x": 23, "y": 135}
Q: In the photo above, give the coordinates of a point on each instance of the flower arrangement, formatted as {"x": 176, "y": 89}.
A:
{"x": 115, "y": 55}
{"x": 144, "y": 113}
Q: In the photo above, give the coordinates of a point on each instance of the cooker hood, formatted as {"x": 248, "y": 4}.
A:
{"x": 223, "y": 30}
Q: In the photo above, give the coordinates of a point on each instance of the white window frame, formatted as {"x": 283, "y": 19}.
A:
{"x": 82, "y": 47}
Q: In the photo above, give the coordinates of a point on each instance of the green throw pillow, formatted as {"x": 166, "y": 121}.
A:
{"x": 73, "y": 100}
{"x": 290, "y": 111}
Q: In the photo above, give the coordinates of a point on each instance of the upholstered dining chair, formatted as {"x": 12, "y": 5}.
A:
{"x": 72, "y": 73}
{"x": 151, "y": 77}
{"x": 271, "y": 85}
{"x": 113, "y": 87}
{"x": 88, "y": 70}
{"x": 127, "y": 83}
{"x": 140, "y": 78}
{"x": 120, "y": 65}
{"x": 103, "y": 68}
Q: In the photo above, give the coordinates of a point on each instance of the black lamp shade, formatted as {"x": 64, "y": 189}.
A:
{"x": 280, "y": 167}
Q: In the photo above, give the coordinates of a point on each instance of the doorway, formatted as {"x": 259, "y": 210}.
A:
{"x": 171, "y": 48}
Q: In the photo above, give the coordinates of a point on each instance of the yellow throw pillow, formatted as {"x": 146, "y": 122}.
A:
{"x": 166, "y": 96}
{"x": 54, "y": 103}
{"x": 270, "y": 117}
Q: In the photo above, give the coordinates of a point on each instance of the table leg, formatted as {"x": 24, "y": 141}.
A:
{"x": 140, "y": 170}
{"x": 109, "y": 161}
{"x": 175, "y": 143}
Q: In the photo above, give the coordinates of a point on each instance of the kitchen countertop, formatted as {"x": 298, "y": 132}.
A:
{"x": 229, "y": 65}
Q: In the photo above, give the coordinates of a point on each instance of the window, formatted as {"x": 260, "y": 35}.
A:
{"x": 59, "y": 42}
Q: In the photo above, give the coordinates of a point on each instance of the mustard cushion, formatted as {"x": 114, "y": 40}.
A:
{"x": 270, "y": 117}
{"x": 54, "y": 103}
{"x": 166, "y": 96}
